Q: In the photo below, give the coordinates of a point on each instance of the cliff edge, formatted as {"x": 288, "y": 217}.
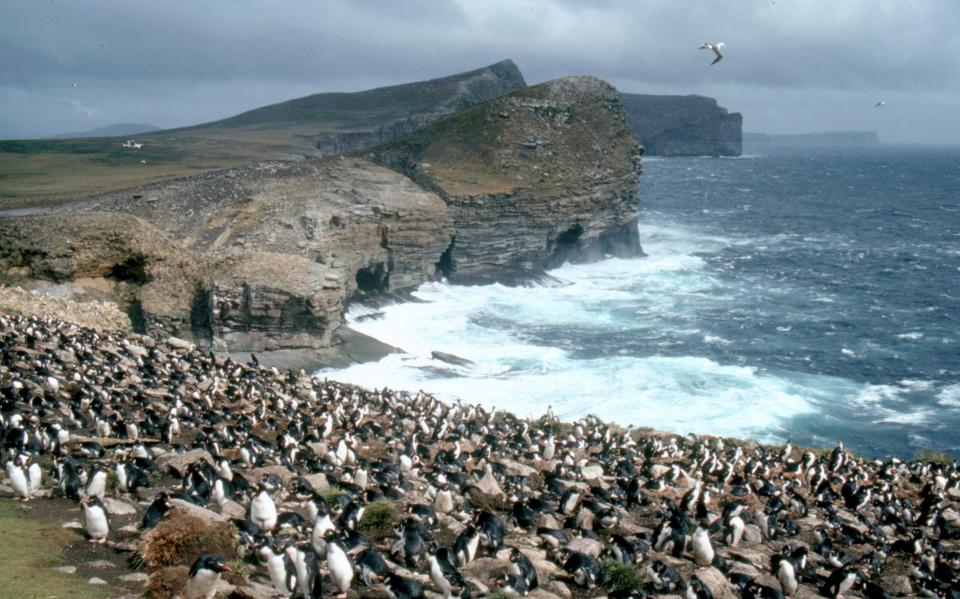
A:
{"x": 531, "y": 179}
{"x": 267, "y": 256}
{"x": 683, "y": 125}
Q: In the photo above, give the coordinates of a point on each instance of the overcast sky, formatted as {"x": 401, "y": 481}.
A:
{"x": 790, "y": 65}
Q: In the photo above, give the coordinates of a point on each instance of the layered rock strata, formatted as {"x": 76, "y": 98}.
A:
{"x": 531, "y": 179}
{"x": 683, "y": 125}
{"x": 267, "y": 256}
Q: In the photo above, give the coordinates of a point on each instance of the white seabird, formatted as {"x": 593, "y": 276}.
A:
{"x": 880, "y": 104}
{"x": 716, "y": 50}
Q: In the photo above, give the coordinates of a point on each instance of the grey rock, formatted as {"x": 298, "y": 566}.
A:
{"x": 717, "y": 583}
{"x": 177, "y": 463}
{"x": 318, "y": 482}
{"x": 96, "y": 580}
{"x": 134, "y": 577}
{"x": 588, "y": 546}
{"x": 66, "y": 569}
{"x": 115, "y": 507}
{"x": 752, "y": 535}
{"x": 592, "y": 472}
{"x": 197, "y": 511}
{"x": 99, "y": 564}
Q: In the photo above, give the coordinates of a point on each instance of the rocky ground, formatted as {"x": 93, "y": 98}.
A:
{"x": 593, "y": 509}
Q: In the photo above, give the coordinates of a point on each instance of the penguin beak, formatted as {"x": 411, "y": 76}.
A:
{"x": 226, "y": 568}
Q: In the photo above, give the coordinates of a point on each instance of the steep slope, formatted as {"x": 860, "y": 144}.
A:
{"x": 533, "y": 178}
{"x": 683, "y": 125}
{"x": 38, "y": 172}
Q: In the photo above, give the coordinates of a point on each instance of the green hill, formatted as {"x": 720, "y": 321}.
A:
{"x": 46, "y": 172}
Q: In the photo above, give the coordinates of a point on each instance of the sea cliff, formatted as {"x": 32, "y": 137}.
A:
{"x": 683, "y": 125}
{"x": 267, "y": 256}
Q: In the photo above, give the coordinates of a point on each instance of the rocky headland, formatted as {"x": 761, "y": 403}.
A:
{"x": 683, "y": 125}
{"x": 266, "y": 256}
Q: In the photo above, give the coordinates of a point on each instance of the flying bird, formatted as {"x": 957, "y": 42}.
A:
{"x": 716, "y": 50}
{"x": 880, "y": 104}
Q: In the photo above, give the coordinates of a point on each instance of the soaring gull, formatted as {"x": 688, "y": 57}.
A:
{"x": 716, "y": 50}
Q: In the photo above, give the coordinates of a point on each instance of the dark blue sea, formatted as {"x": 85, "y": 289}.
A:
{"x": 803, "y": 293}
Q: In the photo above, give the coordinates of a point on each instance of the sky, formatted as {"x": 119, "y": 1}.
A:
{"x": 790, "y": 66}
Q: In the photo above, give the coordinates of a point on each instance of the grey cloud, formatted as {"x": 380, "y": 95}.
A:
{"x": 178, "y": 62}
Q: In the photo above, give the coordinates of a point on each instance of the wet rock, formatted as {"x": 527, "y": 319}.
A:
{"x": 450, "y": 358}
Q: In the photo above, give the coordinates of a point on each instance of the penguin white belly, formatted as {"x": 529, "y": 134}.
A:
{"x": 278, "y": 573}
{"x": 95, "y": 520}
{"x": 263, "y": 512}
{"x": 18, "y": 480}
{"x": 202, "y": 585}
{"x": 340, "y": 570}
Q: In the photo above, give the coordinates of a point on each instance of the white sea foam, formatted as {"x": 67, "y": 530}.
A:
{"x": 949, "y": 397}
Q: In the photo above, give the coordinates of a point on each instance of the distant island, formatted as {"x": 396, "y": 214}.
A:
{"x": 109, "y": 131}
{"x": 822, "y": 138}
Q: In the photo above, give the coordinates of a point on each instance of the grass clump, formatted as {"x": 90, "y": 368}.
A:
{"x": 166, "y": 583}
{"x": 181, "y": 539}
{"x": 332, "y": 493}
{"x": 379, "y": 515}
{"x": 621, "y": 576}
{"x": 500, "y": 595}
{"x": 930, "y": 456}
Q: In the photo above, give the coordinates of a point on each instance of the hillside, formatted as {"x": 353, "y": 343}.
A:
{"x": 46, "y": 172}
{"x": 109, "y": 131}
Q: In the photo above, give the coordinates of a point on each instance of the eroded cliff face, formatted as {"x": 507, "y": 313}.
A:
{"x": 683, "y": 125}
{"x": 531, "y": 179}
{"x": 267, "y": 256}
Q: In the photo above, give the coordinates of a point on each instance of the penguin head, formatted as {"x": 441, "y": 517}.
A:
{"x": 214, "y": 563}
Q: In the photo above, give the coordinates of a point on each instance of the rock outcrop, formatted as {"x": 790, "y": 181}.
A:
{"x": 683, "y": 125}
{"x": 266, "y": 256}
{"x": 531, "y": 179}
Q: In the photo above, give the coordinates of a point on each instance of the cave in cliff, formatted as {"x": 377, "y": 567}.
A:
{"x": 444, "y": 266}
{"x": 372, "y": 279}
{"x": 132, "y": 270}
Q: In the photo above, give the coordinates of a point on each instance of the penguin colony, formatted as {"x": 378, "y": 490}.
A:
{"x": 486, "y": 502}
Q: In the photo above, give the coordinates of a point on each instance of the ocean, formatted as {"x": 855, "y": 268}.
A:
{"x": 801, "y": 293}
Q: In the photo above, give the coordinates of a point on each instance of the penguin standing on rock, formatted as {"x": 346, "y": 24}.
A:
{"x": 263, "y": 510}
{"x": 840, "y": 582}
{"x": 95, "y": 519}
{"x": 18, "y": 480}
{"x": 341, "y": 570}
{"x": 702, "y": 549}
{"x": 204, "y": 576}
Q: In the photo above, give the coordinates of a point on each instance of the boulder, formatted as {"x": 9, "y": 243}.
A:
{"x": 177, "y": 463}
{"x": 589, "y": 546}
{"x": 115, "y": 507}
{"x": 198, "y": 512}
{"x": 719, "y": 586}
